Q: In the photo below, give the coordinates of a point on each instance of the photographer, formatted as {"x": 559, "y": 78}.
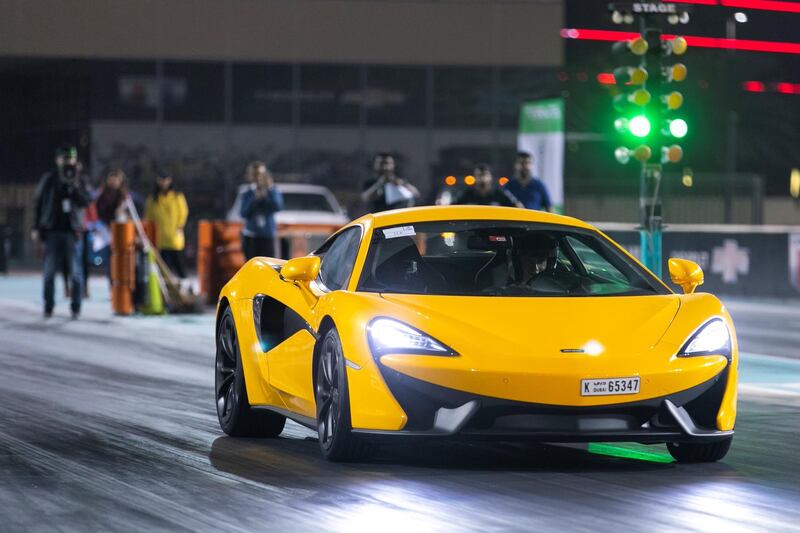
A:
{"x": 60, "y": 198}
{"x": 259, "y": 203}
{"x": 387, "y": 190}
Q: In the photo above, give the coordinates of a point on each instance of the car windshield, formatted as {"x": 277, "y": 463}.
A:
{"x": 491, "y": 258}
{"x": 302, "y": 201}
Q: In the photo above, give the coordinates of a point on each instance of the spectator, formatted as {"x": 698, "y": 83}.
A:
{"x": 484, "y": 193}
{"x": 110, "y": 206}
{"x": 110, "y": 202}
{"x": 59, "y": 200}
{"x": 529, "y": 190}
{"x": 167, "y": 208}
{"x": 259, "y": 202}
{"x": 386, "y": 190}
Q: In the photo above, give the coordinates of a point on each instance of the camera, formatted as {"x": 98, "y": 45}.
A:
{"x": 69, "y": 171}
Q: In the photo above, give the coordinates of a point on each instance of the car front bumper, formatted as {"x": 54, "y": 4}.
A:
{"x": 439, "y": 412}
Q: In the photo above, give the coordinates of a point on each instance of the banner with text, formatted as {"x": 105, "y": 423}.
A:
{"x": 541, "y": 133}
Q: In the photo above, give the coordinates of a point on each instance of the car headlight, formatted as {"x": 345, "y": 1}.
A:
{"x": 713, "y": 338}
{"x": 387, "y": 335}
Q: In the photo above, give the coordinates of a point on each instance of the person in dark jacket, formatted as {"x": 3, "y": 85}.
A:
{"x": 59, "y": 200}
{"x": 260, "y": 202}
{"x": 110, "y": 202}
{"x": 387, "y": 190}
{"x": 484, "y": 193}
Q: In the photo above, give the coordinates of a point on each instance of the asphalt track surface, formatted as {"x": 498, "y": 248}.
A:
{"x": 108, "y": 424}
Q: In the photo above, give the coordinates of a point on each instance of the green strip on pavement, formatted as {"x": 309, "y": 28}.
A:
{"x": 627, "y": 453}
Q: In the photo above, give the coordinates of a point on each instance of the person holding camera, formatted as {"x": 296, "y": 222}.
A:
{"x": 59, "y": 201}
{"x": 259, "y": 203}
{"x": 387, "y": 190}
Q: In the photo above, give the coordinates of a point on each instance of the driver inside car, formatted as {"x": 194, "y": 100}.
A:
{"x": 537, "y": 254}
{"x": 540, "y": 272}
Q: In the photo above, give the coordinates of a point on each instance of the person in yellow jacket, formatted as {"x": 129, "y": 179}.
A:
{"x": 167, "y": 208}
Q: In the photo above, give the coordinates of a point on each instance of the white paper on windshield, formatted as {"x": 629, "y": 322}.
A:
{"x": 401, "y": 231}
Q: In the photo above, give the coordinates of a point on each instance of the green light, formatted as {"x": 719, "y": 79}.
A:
{"x": 628, "y": 453}
{"x": 678, "y": 128}
{"x": 639, "y": 126}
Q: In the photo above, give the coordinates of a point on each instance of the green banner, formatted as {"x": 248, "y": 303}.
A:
{"x": 542, "y": 116}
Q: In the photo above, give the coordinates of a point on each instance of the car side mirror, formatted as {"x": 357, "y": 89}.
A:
{"x": 686, "y": 274}
{"x": 301, "y": 268}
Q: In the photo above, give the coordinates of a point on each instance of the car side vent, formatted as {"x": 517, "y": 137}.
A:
{"x": 275, "y": 322}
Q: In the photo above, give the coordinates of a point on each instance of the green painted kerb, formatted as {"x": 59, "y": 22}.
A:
{"x": 542, "y": 116}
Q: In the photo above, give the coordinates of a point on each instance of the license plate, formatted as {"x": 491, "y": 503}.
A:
{"x": 609, "y": 387}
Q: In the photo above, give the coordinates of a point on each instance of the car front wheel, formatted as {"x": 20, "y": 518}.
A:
{"x": 336, "y": 439}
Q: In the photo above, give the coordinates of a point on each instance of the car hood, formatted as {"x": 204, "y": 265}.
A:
{"x": 543, "y": 326}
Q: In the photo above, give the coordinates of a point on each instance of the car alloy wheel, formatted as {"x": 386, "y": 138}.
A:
{"x": 336, "y": 439}
{"x": 227, "y": 371}
{"x": 328, "y": 392}
{"x": 236, "y": 416}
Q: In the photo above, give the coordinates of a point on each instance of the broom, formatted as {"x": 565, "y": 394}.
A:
{"x": 177, "y": 299}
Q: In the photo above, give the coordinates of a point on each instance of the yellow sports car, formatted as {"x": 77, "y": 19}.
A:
{"x": 475, "y": 322}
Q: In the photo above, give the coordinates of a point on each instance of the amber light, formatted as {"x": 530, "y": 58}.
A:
{"x": 502, "y": 181}
{"x": 469, "y": 180}
{"x": 450, "y": 181}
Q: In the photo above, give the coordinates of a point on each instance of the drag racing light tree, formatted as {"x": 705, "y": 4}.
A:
{"x": 673, "y": 124}
{"x": 648, "y": 107}
{"x": 631, "y": 98}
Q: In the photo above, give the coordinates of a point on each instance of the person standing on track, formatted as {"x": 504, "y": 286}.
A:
{"x": 259, "y": 203}
{"x": 59, "y": 201}
{"x": 167, "y": 208}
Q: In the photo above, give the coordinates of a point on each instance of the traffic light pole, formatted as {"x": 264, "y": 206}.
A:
{"x": 643, "y": 95}
{"x": 650, "y": 176}
{"x": 650, "y": 230}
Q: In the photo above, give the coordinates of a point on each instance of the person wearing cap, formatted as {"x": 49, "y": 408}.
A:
{"x": 484, "y": 193}
{"x": 527, "y": 188}
{"x": 60, "y": 198}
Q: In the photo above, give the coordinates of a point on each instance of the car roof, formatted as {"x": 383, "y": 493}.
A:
{"x": 303, "y": 187}
{"x": 467, "y": 212}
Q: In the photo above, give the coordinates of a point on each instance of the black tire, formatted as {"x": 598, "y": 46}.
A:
{"x": 336, "y": 439}
{"x": 236, "y": 417}
{"x": 695, "y": 452}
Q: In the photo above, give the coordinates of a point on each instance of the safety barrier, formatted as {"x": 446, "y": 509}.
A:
{"x": 738, "y": 260}
{"x": 220, "y": 256}
{"x": 123, "y": 264}
{"x": 123, "y": 267}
